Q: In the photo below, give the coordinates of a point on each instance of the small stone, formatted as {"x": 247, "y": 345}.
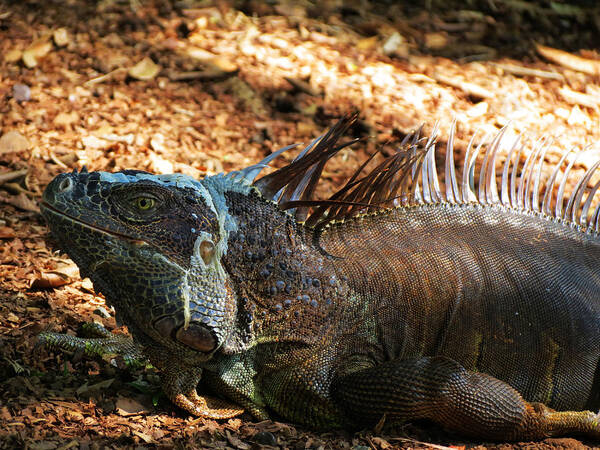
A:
{"x": 21, "y": 92}
{"x": 265, "y": 438}
{"x": 102, "y": 312}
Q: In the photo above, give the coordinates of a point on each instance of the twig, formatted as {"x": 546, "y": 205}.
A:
{"x": 303, "y": 86}
{"x": 579, "y": 98}
{"x": 9, "y": 176}
{"x": 104, "y": 77}
{"x": 471, "y": 89}
{"x": 210, "y": 74}
{"x": 527, "y": 72}
{"x": 573, "y": 62}
{"x": 57, "y": 161}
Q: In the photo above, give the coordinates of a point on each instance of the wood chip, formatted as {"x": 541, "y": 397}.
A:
{"x": 570, "y": 61}
{"x": 61, "y": 37}
{"x": 145, "y": 70}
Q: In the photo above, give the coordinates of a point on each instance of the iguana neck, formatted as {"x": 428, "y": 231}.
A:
{"x": 288, "y": 290}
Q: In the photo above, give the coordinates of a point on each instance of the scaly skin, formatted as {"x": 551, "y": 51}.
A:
{"x": 481, "y": 317}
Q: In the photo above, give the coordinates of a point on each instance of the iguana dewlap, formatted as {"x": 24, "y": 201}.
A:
{"x": 474, "y": 305}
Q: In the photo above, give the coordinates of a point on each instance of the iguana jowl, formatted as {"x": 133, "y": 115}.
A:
{"x": 475, "y": 307}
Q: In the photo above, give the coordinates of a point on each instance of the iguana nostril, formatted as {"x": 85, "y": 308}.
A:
{"x": 197, "y": 337}
{"x": 65, "y": 184}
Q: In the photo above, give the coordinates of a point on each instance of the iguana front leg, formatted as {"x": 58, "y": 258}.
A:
{"x": 178, "y": 382}
{"x": 441, "y": 390}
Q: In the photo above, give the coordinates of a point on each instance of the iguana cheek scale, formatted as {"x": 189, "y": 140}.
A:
{"x": 468, "y": 304}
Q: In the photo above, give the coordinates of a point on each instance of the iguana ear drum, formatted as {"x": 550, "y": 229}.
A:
{"x": 195, "y": 335}
{"x": 198, "y": 337}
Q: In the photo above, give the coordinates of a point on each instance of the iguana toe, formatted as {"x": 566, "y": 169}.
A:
{"x": 206, "y": 406}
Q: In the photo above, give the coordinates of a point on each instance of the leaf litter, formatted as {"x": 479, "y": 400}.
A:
{"x": 204, "y": 87}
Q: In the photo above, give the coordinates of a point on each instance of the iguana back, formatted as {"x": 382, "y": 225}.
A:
{"x": 510, "y": 294}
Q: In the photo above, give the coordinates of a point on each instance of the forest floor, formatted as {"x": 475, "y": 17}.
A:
{"x": 201, "y": 88}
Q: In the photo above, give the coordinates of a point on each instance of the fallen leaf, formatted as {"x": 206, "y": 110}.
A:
{"x": 87, "y": 285}
{"x": 236, "y": 441}
{"x": 129, "y": 407}
{"x": 94, "y": 387}
{"x": 146, "y": 69}
{"x": 13, "y": 141}
{"x": 7, "y": 233}
{"x": 20, "y": 201}
{"x": 56, "y": 278}
{"x": 382, "y": 443}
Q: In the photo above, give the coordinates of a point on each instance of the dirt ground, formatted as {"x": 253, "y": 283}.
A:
{"x": 202, "y": 87}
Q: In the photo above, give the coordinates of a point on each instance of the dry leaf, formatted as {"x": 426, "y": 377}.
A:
{"x": 56, "y": 278}
{"x": 146, "y": 69}
{"x": 7, "y": 233}
{"x": 145, "y": 437}
{"x": 61, "y": 37}
{"x": 20, "y": 201}
{"x": 13, "y": 141}
{"x": 129, "y": 407}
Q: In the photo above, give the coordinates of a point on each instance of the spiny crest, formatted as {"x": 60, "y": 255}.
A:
{"x": 409, "y": 177}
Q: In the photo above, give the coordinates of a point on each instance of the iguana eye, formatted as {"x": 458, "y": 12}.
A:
{"x": 145, "y": 203}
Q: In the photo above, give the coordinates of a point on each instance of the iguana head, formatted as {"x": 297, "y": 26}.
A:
{"x": 200, "y": 265}
{"x": 153, "y": 245}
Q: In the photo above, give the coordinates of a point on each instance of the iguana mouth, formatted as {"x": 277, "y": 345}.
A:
{"x": 138, "y": 242}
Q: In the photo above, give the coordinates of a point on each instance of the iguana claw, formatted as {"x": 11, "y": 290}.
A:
{"x": 206, "y": 406}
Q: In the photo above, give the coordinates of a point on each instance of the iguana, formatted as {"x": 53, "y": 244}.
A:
{"x": 468, "y": 304}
